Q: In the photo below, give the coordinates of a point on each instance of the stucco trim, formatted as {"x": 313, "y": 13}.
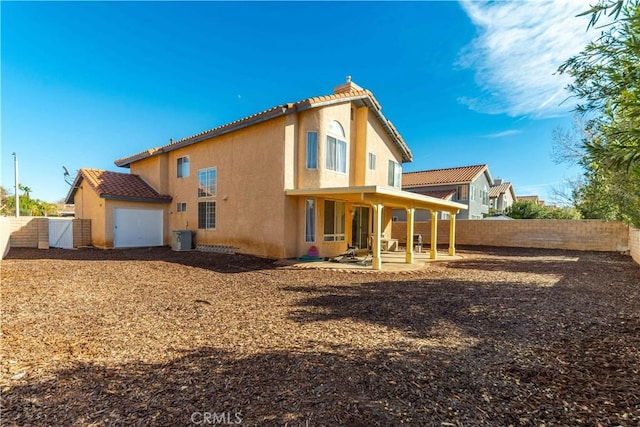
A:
{"x": 135, "y": 199}
{"x": 389, "y": 196}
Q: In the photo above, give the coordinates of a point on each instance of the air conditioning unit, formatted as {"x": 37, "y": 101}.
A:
{"x": 181, "y": 240}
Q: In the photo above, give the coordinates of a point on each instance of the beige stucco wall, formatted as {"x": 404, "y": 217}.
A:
{"x": 88, "y": 205}
{"x": 250, "y": 200}
{"x": 254, "y": 167}
{"x": 379, "y": 143}
{"x": 364, "y": 135}
{"x": 155, "y": 171}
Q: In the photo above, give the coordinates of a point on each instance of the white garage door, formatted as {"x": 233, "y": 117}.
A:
{"x": 137, "y": 228}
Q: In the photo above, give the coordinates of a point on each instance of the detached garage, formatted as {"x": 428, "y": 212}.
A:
{"x": 125, "y": 211}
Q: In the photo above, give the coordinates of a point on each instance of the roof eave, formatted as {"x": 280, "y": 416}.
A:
{"x": 136, "y": 199}
{"x": 72, "y": 191}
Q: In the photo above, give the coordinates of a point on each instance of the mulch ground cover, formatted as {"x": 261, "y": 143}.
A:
{"x": 156, "y": 337}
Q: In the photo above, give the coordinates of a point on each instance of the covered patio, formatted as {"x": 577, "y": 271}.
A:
{"x": 379, "y": 197}
{"x": 391, "y": 262}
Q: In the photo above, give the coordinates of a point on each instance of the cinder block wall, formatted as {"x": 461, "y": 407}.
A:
{"x": 634, "y": 243}
{"x": 28, "y": 231}
{"x": 81, "y": 232}
{"x": 583, "y": 235}
{"x": 33, "y": 232}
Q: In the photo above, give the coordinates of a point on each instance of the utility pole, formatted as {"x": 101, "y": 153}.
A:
{"x": 15, "y": 168}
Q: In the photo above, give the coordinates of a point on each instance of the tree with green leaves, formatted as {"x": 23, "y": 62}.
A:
{"x": 528, "y": 209}
{"x": 28, "y": 206}
{"x": 606, "y": 82}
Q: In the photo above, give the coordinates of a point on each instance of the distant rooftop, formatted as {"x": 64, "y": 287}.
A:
{"x": 457, "y": 175}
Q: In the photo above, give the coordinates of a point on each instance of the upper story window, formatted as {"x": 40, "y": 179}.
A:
{"x": 485, "y": 196}
{"x": 183, "y": 167}
{"x": 336, "y": 129}
{"x": 473, "y": 191}
{"x": 312, "y": 150}
{"x": 372, "y": 161}
{"x": 207, "y": 182}
{"x": 395, "y": 174}
{"x": 336, "y": 148}
{"x": 463, "y": 192}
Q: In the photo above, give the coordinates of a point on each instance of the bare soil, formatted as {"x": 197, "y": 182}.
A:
{"x": 156, "y": 337}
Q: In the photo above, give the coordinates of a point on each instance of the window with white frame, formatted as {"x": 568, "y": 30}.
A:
{"x": 312, "y": 150}
{"x": 207, "y": 215}
{"x": 463, "y": 192}
{"x": 336, "y": 148}
{"x": 310, "y": 220}
{"x": 207, "y": 182}
{"x": 207, "y": 187}
{"x": 334, "y": 221}
{"x": 485, "y": 196}
{"x": 394, "y": 174}
{"x": 473, "y": 195}
{"x": 181, "y": 206}
{"x": 183, "y": 167}
{"x": 372, "y": 161}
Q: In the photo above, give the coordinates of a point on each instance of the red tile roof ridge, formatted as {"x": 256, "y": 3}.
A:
{"x": 290, "y": 106}
{"x": 444, "y": 169}
{"x": 120, "y": 185}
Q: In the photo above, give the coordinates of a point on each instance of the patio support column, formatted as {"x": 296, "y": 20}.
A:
{"x": 452, "y": 234}
{"x": 409, "y": 254}
{"x": 376, "y": 263}
{"x": 434, "y": 235}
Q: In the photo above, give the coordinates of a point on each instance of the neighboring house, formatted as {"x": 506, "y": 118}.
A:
{"x": 323, "y": 172}
{"x": 501, "y": 195}
{"x": 468, "y": 185}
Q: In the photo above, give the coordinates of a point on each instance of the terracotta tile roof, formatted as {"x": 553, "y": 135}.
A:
{"x": 439, "y": 194}
{"x": 497, "y": 190}
{"x": 115, "y": 185}
{"x": 355, "y": 95}
{"x": 458, "y": 175}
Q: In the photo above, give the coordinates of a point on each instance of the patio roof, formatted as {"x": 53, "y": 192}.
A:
{"x": 388, "y": 196}
{"x": 381, "y": 196}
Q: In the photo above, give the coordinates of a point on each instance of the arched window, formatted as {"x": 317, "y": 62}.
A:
{"x": 336, "y": 148}
{"x": 336, "y": 128}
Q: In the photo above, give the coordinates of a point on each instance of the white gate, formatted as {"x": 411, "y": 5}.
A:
{"x": 61, "y": 233}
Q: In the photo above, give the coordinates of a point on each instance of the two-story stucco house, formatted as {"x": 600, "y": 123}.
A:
{"x": 324, "y": 172}
{"x": 468, "y": 185}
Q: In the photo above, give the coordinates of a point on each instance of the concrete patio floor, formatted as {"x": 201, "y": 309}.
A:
{"x": 391, "y": 262}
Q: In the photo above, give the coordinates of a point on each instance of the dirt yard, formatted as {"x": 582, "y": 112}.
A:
{"x": 155, "y": 337}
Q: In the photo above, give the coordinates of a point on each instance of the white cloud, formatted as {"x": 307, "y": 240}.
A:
{"x": 517, "y": 52}
{"x": 503, "y": 133}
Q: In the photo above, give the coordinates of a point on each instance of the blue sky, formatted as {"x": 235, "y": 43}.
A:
{"x": 85, "y": 83}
